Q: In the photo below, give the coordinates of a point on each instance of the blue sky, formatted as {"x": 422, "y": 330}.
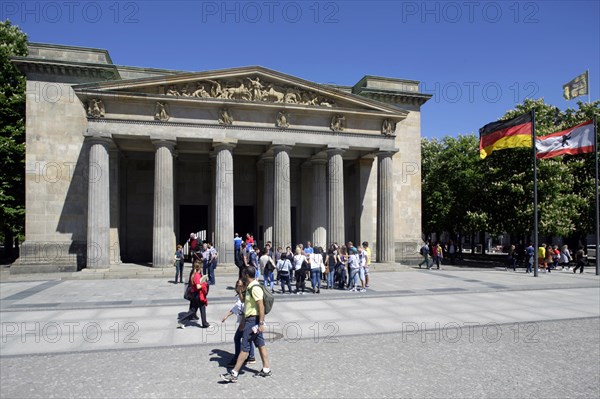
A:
{"x": 478, "y": 58}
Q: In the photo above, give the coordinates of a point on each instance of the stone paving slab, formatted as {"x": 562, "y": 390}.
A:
{"x": 552, "y": 359}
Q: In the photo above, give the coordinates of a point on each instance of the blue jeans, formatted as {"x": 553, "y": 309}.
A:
{"x": 211, "y": 273}
{"x": 237, "y": 339}
{"x": 269, "y": 281}
{"x": 331, "y": 276}
{"x": 315, "y": 278}
{"x": 204, "y": 267}
{"x": 285, "y": 280}
{"x": 353, "y": 280}
{"x": 179, "y": 271}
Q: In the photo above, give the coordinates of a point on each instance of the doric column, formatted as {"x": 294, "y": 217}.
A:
{"x": 98, "y": 226}
{"x": 335, "y": 196}
{"x": 319, "y": 202}
{"x": 268, "y": 211}
{"x": 224, "y": 201}
{"x": 305, "y": 192}
{"x": 282, "y": 223}
{"x": 115, "y": 202}
{"x": 163, "y": 228}
{"x": 385, "y": 207}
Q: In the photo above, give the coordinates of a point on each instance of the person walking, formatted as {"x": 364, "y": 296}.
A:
{"x": 512, "y": 258}
{"x": 254, "y": 325}
{"x": 565, "y": 257}
{"x": 424, "y": 251}
{"x": 238, "y": 310}
{"x": 579, "y": 260}
{"x": 199, "y": 291}
{"x": 530, "y": 254}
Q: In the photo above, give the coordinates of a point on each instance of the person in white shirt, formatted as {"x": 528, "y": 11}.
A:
{"x": 238, "y": 310}
{"x": 299, "y": 261}
{"x": 284, "y": 267}
{"x": 354, "y": 266}
{"x": 267, "y": 266}
{"x": 316, "y": 265}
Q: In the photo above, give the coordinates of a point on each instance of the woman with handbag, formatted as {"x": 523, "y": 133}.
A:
{"x": 198, "y": 292}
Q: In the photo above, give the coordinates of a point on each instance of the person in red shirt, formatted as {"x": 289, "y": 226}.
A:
{"x": 199, "y": 289}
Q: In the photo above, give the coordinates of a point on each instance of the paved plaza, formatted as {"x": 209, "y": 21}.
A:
{"x": 416, "y": 333}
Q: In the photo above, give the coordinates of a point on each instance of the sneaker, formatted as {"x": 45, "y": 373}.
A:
{"x": 229, "y": 377}
{"x": 180, "y": 326}
{"x": 251, "y": 360}
{"x": 262, "y": 373}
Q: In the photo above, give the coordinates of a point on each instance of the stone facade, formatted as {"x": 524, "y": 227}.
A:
{"x": 122, "y": 163}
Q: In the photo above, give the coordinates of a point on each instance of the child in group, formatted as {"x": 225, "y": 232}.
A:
{"x": 238, "y": 309}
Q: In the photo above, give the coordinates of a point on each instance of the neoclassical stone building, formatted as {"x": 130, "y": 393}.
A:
{"x": 123, "y": 162}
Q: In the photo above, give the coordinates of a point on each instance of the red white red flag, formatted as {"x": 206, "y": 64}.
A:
{"x": 575, "y": 140}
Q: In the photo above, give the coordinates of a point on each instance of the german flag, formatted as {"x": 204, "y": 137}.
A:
{"x": 511, "y": 133}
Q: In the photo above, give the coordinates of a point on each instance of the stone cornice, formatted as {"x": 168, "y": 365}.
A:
{"x": 394, "y": 97}
{"x": 29, "y": 66}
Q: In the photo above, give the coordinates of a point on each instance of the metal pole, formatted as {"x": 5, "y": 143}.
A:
{"x": 535, "y": 204}
{"x": 597, "y": 207}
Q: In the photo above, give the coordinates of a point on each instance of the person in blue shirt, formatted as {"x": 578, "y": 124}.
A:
{"x": 309, "y": 249}
{"x": 530, "y": 251}
{"x": 237, "y": 242}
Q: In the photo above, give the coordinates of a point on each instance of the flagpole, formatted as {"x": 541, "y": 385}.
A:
{"x": 597, "y": 196}
{"x": 587, "y": 81}
{"x": 535, "y": 204}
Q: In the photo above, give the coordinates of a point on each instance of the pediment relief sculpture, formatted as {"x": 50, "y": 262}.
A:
{"x": 250, "y": 89}
{"x": 95, "y": 108}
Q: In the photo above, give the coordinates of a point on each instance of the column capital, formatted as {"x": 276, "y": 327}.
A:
{"x": 319, "y": 158}
{"x": 336, "y": 150}
{"x": 224, "y": 144}
{"x": 106, "y": 141}
{"x": 277, "y": 148}
{"x": 159, "y": 143}
{"x": 389, "y": 152}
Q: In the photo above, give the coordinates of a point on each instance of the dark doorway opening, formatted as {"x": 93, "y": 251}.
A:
{"x": 294, "y": 227}
{"x": 192, "y": 219}
{"x": 243, "y": 221}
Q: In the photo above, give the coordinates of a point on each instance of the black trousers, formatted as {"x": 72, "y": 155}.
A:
{"x": 194, "y": 306}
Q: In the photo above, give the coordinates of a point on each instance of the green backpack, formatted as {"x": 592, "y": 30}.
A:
{"x": 268, "y": 298}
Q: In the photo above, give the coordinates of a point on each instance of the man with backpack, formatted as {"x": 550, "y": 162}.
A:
{"x": 255, "y": 309}
{"x": 424, "y": 251}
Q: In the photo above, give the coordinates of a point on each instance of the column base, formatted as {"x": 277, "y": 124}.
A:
{"x": 49, "y": 257}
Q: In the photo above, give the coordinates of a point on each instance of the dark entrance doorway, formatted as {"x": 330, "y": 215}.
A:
{"x": 294, "y": 227}
{"x": 243, "y": 221}
{"x": 192, "y": 219}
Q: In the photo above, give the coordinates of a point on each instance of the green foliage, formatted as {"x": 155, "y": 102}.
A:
{"x": 13, "y": 42}
{"x": 462, "y": 193}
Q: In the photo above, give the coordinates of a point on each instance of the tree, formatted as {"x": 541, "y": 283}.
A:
{"x": 12, "y": 135}
{"x": 463, "y": 194}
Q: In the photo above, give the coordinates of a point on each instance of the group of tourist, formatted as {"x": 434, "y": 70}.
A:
{"x": 341, "y": 267}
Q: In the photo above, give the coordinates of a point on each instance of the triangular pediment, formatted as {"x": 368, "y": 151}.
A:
{"x": 256, "y": 85}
